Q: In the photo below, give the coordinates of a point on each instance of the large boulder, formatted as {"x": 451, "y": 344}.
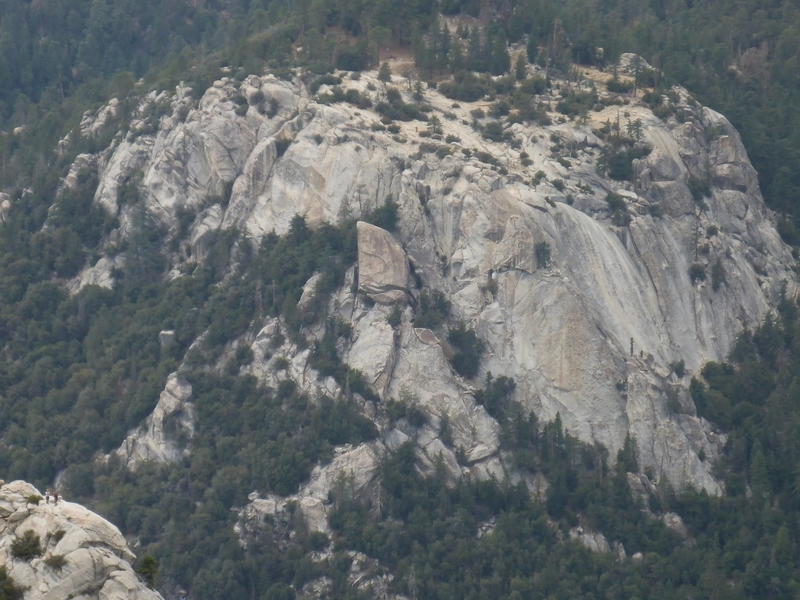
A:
{"x": 382, "y": 265}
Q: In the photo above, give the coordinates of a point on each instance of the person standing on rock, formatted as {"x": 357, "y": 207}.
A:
{"x": 47, "y": 496}
{"x": 55, "y": 497}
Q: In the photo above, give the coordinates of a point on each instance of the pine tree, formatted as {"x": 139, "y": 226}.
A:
{"x": 759, "y": 474}
{"x": 520, "y": 67}
{"x": 500, "y": 59}
{"x": 475, "y": 51}
{"x": 626, "y": 458}
{"x": 532, "y": 49}
{"x": 444, "y": 42}
{"x": 456, "y": 58}
{"x": 385, "y": 73}
{"x": 435, "y": 125}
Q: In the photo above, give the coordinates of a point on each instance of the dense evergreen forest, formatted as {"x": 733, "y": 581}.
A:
{"x": 77, "y": 373}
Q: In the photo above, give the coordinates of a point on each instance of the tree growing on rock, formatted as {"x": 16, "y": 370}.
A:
{"x": 148, "y": 569}
{"x": 385, "y": 73}
{"x": 542, "y": 251}
{"x": 26, "y": 547}
{"x": 469, "y": 349}
{"x": 520, "y": 67}
{"x": 435, "y": 125}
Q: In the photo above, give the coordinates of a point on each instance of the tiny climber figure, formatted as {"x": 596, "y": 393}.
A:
{"x": 47, "y": 496}
{"x": 55, "y": 497}
{"x": 631, "y": 346}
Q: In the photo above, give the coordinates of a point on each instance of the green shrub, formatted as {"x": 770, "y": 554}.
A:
{"x": 574, "y": 103}
{"x": 8, "y": 589}
{"x": 395, "y": 109}
{"x": 697, "y": 272}
{"x": 617, "y": 86}
{"x": 350, "y": 58}
{"x": 57, "y": 535}
{"x": 353, "y": 97}
{"x": 493, "y": 130}
{"x": 55, "y": 561}
{"x": 717, "y": 275}
{"x": 241, "y": 358}
{"x": 281, "y": 145}
{"x": 395, "y": 316}
{"x": 317, "y": 540}
{"x": 468, "y": 351}
{"x": 26, "y": 547}
{"x": 467, "y": 87}
{"x": 699, "y": 188}
{"x": 327, "y": 79}
{"x": 533, "y": 86}
{"x": 495, "y": 394}
{"x": 406, "y": 408}
{"x": 499, "y": 109}
{"x": 618, "y": 209}
{"x": 542, "y": 251}
{"x": 385, "y": 216}
{"x": 678, "y": 367}
{"x": 432, "y": 310}
{"x": 615, "y": 202}
{"x": 487, "y": 158}
{"x": 616, "y": 158}
{"x": 257, "y": 98}
{"x": 34, "y": 499}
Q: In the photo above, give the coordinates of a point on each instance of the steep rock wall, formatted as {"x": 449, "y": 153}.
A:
{"x": 564, "y": 328}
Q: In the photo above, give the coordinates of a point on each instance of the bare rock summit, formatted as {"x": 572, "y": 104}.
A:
{"x": 74, "y": 553}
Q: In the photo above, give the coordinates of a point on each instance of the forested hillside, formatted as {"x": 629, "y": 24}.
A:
{"x": 80, "y": 371}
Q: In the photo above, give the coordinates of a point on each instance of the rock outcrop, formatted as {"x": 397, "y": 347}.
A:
{"x": 348, "y": 475}
{"x": 382, "y": 265}
{"x": 594, "y": 541}
{"x": 5, "y": 206}
{"x": 165, "y": 434}
{"x": 585, "y": 310}
{"x": 93, "y": 556}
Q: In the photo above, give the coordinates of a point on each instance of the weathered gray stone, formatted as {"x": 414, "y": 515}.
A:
{"x": 5, "y": 206}
{"x": 382, "y": 265}
{"x": 172, "y": 415}
{"x": 166, "y": 339}
{"x": 674, "y": 522}
{"x": 97, "y": 556}
{"x": 594, "y": 541}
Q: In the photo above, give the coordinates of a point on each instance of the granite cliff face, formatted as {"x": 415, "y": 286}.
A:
{"x": 94, "y": 558}
{"x": 588, "y": 332}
